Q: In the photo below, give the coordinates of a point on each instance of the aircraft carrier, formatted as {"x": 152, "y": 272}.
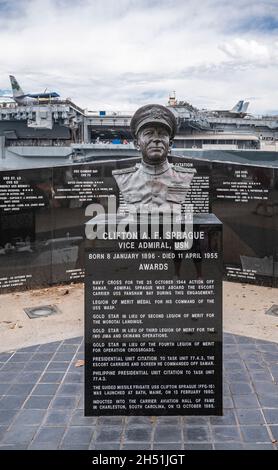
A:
{"x": 43, "y": 130}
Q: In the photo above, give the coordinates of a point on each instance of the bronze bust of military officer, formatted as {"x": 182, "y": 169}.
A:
{"x": 154, "y": 184}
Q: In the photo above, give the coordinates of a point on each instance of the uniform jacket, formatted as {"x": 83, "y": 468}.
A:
{"x": 154, "y": 186}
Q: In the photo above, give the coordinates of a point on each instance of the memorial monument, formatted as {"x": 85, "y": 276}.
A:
{"x": 153, "y": 296}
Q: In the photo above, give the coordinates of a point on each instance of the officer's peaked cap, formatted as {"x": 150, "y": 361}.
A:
{"x": 153, "y": 114}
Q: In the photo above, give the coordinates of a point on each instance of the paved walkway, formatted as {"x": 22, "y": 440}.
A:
{"x": 41, "y": 404}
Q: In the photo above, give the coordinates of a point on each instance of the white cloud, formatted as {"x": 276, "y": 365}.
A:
{"x": 120, "y": 54}
{"x": 251, "y": 51}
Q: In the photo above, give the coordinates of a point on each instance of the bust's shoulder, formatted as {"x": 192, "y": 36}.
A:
{"x": 124, "y": 171}
{"x": 182, "y": 169}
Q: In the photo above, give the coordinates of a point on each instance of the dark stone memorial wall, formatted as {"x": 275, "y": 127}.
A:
{"x": 245, "y": 199}
{"x": 42, "y": 217}
{"x": 153, "y": 332}
{"x": 25, "y": 229}
{"x": 42, "y": 223}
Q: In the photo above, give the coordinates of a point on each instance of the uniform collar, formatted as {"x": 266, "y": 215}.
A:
{"x": 155, "y": 169}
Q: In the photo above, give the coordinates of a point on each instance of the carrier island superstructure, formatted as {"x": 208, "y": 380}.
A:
{"x": 52, "y": 131}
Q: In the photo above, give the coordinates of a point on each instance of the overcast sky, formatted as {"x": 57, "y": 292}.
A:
{"x": 119, "y": 54}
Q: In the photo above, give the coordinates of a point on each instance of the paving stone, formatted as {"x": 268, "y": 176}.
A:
{"x": 255, "y": 365}
{"x": 72, "y": 377}
{"x": 11, "y": 367}
{"x": 267, "y": 388}
{"x": 228, "y": 402}
{"x": 49, "y": 347}
{"x": 74, "y": 447}
{"x": 140, "y": 446}
{"x": 251, "y": 356}
{"x": 246, "y": 401}
{"x": 106, "y": 446}
{"x": 267, "y": 347}
{"x": 73, "y": 368}
{"x": 76, "y": 340}
{"x": 225, "y": 433}
{"x": 274, "y": 374}
{"x": 11, "y": 402}
{"x": 228, "y": 338}
{"x": 237, "y": 377}
{"x": 68, "y": 348}
{"x": 4, "y": 388}
{"x": 169, "y": 446}
{"x": 7, "y": 416}
{"x": 268, "y": 400}
{"x": 138, "y": 420}
{"x": 19, "y": 434}
{"x": 20, "y": 389}
{"x": 78, "y": 419}
{"x": 35, "y": 366}
{"x": 260, "y": 375}
{"x": 78, "y": 435}
{"x": 235, "y": 366}
{"x": 81, "y": 403}
{"x": 13, "y": 446}
{"x": 195, "y": 446}
{"x": 110, "y": 420}
{"x": 79, "y": 355}
{"x": 196, "y": 420}
{"x": 57, "y": 417}
{"x": 45, "y": 389}
{"x": 244, "y": 339}
{"x": 248, "y": 347}
{"x": 228, "y": 418}
{"x": 138, "y": 434}
{"x": 57, "y": 366}
{"x": 48, "y": 438}
{"x": 230, "y": 348}
{"x": 70, "y": 389}
{"x": 271, "y": 415}
{"x": 255, "y": 433}
{"x": 21, "y": 357}
{"x": 77, "y": 370}
{"x": 38, "y": 402}
{"x": 251, "y": 446}
{"x": 52, "y": 377}
{"x": 28, "y": 377}
{"x": 274, "y": 431}
{"x": 226, "y": 389}
{"x": 42, "y": 356}
{"x": 270, "y": 357}
{"x": 169, "y": 420}
{"x": 64, "y": 402}
{"x": 4, "y": 357}
{"x": 250, "y": 416}
{"x": 196, "y": 434}
{"x": 107, "y": 434}
{"x": 62, "y": 357}
{"x": 241, "y": 388}
{"x": 231, "y": 356}
{"x": 228, "y": 446}
{"x": 167, "y": 433}
{"x": 29, "y": 417}
{"x": 3, "y": 430}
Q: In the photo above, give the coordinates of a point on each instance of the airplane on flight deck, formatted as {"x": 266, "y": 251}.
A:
{"x": 239, "y": 110}
{"x": 29, "y": 98}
